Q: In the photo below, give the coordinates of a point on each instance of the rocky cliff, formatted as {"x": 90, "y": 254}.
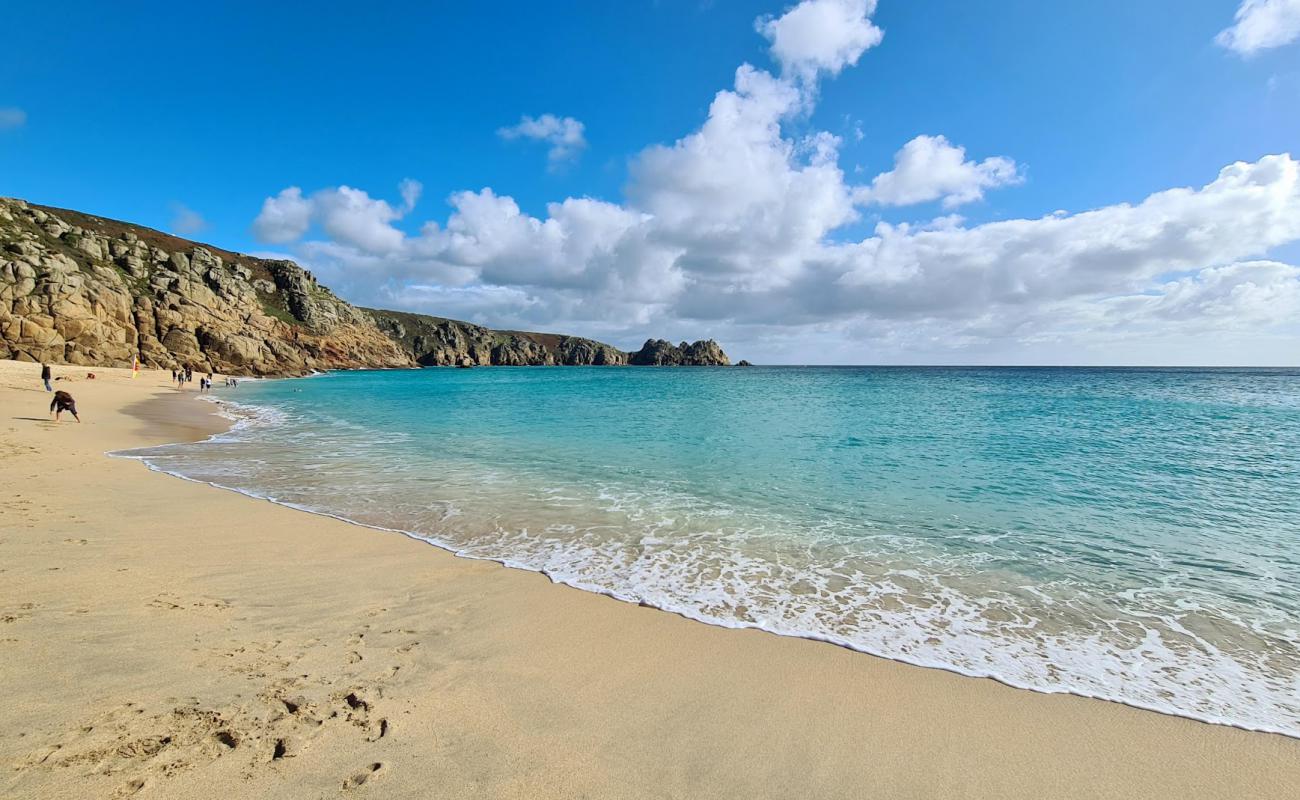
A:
{"x": 661, "y": 353}
{"x": 79, "y": 289}
{"x": 435, "y": 341}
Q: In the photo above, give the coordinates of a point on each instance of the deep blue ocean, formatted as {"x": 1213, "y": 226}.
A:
{"x": 1129, "y": 534}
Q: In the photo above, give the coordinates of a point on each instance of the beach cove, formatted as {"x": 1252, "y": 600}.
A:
{"x": 163, "y": 638}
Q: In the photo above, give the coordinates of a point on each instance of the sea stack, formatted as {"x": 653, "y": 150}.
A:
{"x": 662, "y": 353}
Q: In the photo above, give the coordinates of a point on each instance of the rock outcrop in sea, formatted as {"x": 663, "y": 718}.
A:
{"x": 80, "y": 289}
{"x": 662, "y": 353}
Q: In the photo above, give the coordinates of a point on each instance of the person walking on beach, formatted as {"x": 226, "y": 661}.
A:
{"x": 45, "y": 376}
{"x": 173, "y": 374}
{"x": 63, "y": 402}
{"x": 180, "y": 380}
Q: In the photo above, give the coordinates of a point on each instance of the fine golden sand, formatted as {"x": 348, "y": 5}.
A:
{"x": 165, "y": 639}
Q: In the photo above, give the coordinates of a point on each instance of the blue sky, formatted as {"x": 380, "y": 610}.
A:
{"x": 188, "y": 118}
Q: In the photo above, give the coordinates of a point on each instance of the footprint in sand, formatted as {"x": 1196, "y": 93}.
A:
{"x": 300, "y": 710}
{"x": 23, "y": 612}
{"x": 356, "y": 703}
{"x": 280, "y": 750}
{"x": 171, "y": 602}
{"x": 362, "y": 776}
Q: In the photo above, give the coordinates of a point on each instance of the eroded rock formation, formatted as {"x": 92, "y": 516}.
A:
{"x": 76, "y": 289}
{"x": 662, "y": 353}
{"x": 80, "y": 289}
{"x": 435, "y": 341}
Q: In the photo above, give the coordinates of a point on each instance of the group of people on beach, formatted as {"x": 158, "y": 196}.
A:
{"x": 63, "y": 400}
{"x": 185, "y": 374}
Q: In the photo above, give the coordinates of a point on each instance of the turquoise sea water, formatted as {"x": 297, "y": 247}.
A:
{"x": 1118, "y": 533}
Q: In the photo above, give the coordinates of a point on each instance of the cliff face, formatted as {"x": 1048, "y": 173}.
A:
{"x": 435, "y": 341}
{"x": 79, "y": 289}
{"x": 76, "y": 289}
{"x": 661, "y": 353}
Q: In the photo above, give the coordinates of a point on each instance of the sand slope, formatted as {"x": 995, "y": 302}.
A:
{"x": 160, "y": 638}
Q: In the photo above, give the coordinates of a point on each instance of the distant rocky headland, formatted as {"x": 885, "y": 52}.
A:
{"x": 435, "y": 341}
{"x": 80, "y": 289}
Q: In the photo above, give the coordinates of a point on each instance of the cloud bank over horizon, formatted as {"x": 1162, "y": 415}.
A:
{"x": 739, "y": 230}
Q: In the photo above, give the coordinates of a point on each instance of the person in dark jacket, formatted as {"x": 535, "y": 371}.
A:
{"x": 63, "y": 402}
{"x": 45, "y": 377}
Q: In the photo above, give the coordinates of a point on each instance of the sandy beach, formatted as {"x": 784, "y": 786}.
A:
{"x": 162, "y": 638}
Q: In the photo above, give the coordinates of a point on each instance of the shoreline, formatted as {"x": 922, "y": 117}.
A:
{"x": 684, "y": 611}
{"x": 507, "y": 686}
{"x": 228, "y": 423}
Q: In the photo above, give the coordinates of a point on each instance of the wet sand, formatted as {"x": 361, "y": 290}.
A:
{"x": 162, "y": 638}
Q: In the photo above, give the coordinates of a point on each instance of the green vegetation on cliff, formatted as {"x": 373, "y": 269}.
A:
{"x": 436, "y": 341}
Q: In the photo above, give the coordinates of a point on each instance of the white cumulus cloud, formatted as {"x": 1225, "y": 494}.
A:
{"x": 929, "y": 168}
{"x": 284, "y": 218}
{"x": 1240, "y": 295}
{"x": 348, "y": 216}
{"x": 737, "y": 230}
{"x": 565, "y": 135}
{"x": 1262, "y": 24}
{"x": 821, "y": 35}
{"x": 737, "y": 197}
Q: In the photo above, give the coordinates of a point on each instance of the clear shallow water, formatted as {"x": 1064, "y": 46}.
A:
{"x": 1126, "y": 534}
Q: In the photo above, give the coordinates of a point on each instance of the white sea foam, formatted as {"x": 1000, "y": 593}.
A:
{"x": 873, "y": 589}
